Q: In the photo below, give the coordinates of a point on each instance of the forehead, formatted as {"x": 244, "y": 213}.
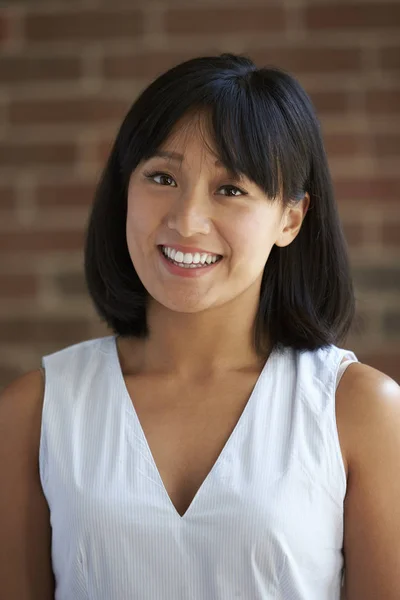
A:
{"x": 192, "y": 132}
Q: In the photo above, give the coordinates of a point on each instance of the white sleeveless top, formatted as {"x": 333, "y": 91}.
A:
{"x": 266, "y": 524}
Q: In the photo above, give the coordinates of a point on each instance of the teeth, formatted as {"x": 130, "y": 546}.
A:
{"x": 189, "y": 260}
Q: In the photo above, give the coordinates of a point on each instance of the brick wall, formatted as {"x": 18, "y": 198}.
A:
{"x": 70, "y": 69}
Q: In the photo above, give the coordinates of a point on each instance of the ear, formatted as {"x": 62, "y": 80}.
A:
{"x": 292, "y": 221}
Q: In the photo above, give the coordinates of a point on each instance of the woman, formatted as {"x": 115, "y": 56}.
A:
{"x": 221, "y": 443}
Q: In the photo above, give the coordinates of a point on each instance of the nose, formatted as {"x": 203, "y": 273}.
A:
{"x": 189, "y": 215}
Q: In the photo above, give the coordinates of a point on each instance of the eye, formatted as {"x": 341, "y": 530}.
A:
{"x": 233, "y": 191}
{"x": 164, "y": 178}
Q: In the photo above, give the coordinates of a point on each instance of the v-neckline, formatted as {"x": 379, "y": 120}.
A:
{"x": 267, "y": 368}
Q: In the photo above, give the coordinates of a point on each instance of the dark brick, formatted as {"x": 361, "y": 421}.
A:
{"x": 387, "y": 144}
{"x": 353, "y": 16}
{"x": 84, "y": 25}
{"x": 41, "y": 241}
{"x": 7, "y": 197}
{"x": 391, "y": 233}
{"x": 348, "y": 190}
{"x": 391, "y": 324}
{"x": 234, "y": 19}
{"x": 382, "y": 278}
{"x": 309, "y": 60}
{"x": 74, "y": 111}
{"x": 71, "y": 284}
{"x": 24, "y": 154}
{"x": 145, "y": 65}
{"x": 25, "y": 330}
{"x": 64, "y": 195}
{"x": 390, "y": 57}
{"x": 354, "y": 233}
{"x": 330, "y": 102}
{"x": 18, "y": 286}
{"x": 28, "y": 69}
{"x": 383, "y": 101}
{"x": 339, "y": 144}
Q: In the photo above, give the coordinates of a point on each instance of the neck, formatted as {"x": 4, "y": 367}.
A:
{"x": 195, "y": 344}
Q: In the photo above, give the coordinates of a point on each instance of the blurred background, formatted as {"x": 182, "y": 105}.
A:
{"x": 69, "y": 71}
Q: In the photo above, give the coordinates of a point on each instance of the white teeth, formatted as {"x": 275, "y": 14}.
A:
{"x": 189, "y": 260}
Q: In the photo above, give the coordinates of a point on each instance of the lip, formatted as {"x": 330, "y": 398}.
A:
{"x": 183, "y": 272}
{"x": 188, "y": 249}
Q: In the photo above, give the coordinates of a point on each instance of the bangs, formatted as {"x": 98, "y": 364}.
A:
{"x": 254, "y": 130}
{"x": 254, "y": 139}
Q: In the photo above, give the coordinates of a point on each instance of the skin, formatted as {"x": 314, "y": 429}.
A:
{"x": 192, "y": 205}
{"x": 201, "y": 327}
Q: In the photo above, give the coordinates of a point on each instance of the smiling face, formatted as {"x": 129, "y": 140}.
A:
{"x": 199, "y": 238}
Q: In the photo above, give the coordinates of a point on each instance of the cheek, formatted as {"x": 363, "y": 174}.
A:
{"x": 142, "y": 216}
{"x": 254, "y": 234}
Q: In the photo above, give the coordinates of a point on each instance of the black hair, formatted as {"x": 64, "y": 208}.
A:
{"x": 264, "y": 127}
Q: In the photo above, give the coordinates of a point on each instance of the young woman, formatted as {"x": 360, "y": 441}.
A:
{"x": 221, "y": 443}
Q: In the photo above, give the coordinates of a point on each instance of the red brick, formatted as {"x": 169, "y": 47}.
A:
{"x": 71, "y": 284}
{"x": 7, "y": 197}
{"x": 353, "y": 16}
{"x": 36, "y": 154}
{"x": 103, "y": 150}
{"x": 84, "y": 25}
{"x": 348, "y": 144}
{"x": 387, "y": 145}
{"x": 69, "y": 194}
{"x": 383, "y": 101}
{"x": 18, "y": 286}
{"x": 147, "y": 65}
{"x": 391, "y": 233}
{"x": 330, "y": 102}
{"x": 233, "y": 19}
{"x": 368, "y": 189}
{"x": 355, "y": 234}
{"x": 390, "y": 57}
{"x": 3, "y": 28}
{"x": 309, "y": 60}
{"x": 27, "y": 69}
{"x": 66, "y": 111}
{"x": 41, "y": 241}
{"x": 25, "y": 330}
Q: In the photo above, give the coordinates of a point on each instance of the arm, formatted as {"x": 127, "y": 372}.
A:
{"x": 368, "y": 416}
{"x": 25, "y": 534}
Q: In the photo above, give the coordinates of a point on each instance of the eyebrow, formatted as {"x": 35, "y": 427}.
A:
{"x": 179, "y": 158}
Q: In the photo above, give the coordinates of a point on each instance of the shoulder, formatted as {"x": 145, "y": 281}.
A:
{"x": 368, "y": 410}
{"x": 21, "y": 404}
{"x": 25, "y": 532}
{"x": 368, "y": 414}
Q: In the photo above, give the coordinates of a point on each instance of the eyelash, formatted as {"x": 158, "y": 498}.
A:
{"x": 151, "y": 175}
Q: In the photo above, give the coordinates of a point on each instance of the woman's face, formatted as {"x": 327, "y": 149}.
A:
{"x": 197, "y": 238}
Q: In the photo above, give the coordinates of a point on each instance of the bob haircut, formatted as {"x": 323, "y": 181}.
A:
{"x": 264, "y": 127}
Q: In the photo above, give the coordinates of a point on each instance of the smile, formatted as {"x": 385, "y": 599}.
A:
{"x": 188, "y": 260}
